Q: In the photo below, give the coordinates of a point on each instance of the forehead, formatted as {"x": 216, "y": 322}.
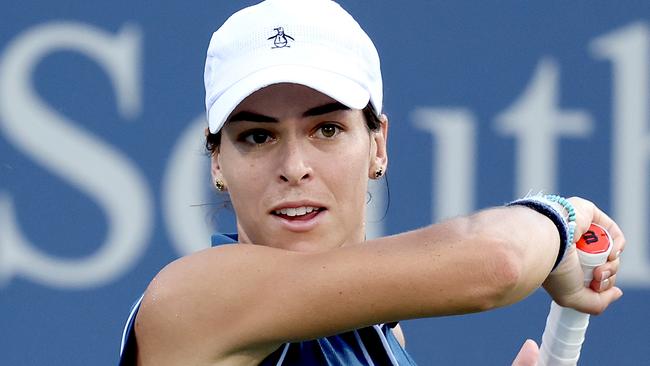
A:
{"x": 283, "y": 99}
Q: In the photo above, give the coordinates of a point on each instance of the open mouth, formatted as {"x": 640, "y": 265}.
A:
{"x": 301, "y": 213}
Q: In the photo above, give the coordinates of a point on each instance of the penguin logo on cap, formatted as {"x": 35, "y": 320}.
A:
{"x": 280, "y": 39}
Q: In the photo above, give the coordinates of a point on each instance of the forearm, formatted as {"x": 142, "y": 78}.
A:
{"x": 490, "y": 259}
{"x": 531, "y": 243}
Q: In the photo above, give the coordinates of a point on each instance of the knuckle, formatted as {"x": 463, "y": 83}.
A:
{"x": 612, "y": 280}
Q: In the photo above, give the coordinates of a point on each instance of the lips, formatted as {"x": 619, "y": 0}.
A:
{"x": 295, "y": 211}
{"x": 298, "y": 213}
{"x": 299, "y": 216}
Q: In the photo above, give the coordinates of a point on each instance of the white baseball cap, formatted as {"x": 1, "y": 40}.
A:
{"x": 315, "y": 43}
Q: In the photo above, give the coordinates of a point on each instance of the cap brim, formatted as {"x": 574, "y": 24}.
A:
{"x": 336, "y": 86}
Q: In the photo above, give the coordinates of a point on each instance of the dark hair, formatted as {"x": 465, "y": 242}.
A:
{"x": 213, "y": 140}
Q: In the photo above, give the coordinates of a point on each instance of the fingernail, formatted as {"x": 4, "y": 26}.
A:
{"x": 605, "y": 275}
{"x": 604, "y": 284}
{"x": 618, "y": 253}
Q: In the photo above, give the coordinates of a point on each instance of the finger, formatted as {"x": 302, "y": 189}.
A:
{"x": 592, "y": 302}
{"x": 601, "y": 218}
{"x": 619, "y": 245}
{"x": 604, "y": 285}
{"x": 606, "y": 270}
{"x": 592, "y": 214}
{"x": 615, "y": 232}
{"x": 585, "y": 211}
{"x": 528, "y": 354}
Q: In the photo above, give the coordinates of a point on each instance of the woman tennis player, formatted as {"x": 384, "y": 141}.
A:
{"x": 294, "y": 101}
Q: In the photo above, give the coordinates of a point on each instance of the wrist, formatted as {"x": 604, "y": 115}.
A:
{"x": 560, "y": 211}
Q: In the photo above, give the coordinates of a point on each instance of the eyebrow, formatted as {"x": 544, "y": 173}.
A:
{"x": 311, "y": 112}
{"x": 324, "y": 109}
{"x": 251, "y": 117}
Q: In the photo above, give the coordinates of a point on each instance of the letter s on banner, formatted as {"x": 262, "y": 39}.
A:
{"x": 184, "y": 190}
{"x": 92, "y": 166}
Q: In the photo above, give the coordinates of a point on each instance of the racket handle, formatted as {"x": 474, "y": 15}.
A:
{"x": 565, "y": 328}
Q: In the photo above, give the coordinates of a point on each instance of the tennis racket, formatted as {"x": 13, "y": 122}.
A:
{"x": 565, "y": 328}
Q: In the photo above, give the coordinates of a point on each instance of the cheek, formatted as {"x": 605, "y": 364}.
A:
{"x": 246, "y": 192}
{"x": 249, "y": 180}
{"x": 348, "y": 173}
{"x": 237, "y": 168}
{"x": 243, "y": 178}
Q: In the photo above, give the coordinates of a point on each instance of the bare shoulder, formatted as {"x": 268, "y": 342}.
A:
{"x": 191, "y": 309}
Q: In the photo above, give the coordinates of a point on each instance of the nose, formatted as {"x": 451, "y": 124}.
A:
{"x": 294, "y": 166}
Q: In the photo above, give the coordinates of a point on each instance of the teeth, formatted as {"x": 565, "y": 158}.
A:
{"x": 297, "y": 211}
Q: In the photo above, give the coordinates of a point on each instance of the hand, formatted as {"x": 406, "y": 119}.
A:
{"x": 565, "y": 283}
{"x": 528, "y": 354}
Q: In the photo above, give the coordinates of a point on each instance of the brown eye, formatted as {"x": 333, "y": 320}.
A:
{"x": 256, "y": 137}
{"x": 329, "y": 130}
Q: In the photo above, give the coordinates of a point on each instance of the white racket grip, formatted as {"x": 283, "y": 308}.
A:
{"x": 565, "y": 328}
{"x": 563, "y": 336}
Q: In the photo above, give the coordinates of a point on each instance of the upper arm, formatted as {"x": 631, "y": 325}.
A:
{"x": 237, "y": 299}
{"x": 247, "y": 299}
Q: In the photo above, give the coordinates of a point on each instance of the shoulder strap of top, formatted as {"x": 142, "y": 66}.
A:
{"x": 128, "y": 347}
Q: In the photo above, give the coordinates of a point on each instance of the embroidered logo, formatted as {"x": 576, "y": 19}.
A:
{"x": 280, "y": 39}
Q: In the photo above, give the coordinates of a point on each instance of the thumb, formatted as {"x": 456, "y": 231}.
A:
{"x": 528, "y": 354}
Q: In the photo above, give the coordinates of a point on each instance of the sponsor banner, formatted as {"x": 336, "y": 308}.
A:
{"x": 104, "y": 178}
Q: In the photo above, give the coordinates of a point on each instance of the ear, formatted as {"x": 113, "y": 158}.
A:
{"x": 379, "y": 154}
{"x": 215, "y": 166}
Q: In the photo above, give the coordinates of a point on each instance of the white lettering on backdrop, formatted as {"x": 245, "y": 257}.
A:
{"x": 184, "y": 186}
{"x": 86, "y": 162}
{"x": 123, "y": 194}
{"x": 454, "y": 159}
{"x": 628, "y": 49}
{"x": 536, "y": 122}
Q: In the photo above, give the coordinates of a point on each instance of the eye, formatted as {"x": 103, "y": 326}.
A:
{"x": 328, "y": 130}
{"x": 256, "y": 137}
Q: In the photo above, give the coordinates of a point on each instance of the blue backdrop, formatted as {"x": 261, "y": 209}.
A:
{"x": 103, "y": 180}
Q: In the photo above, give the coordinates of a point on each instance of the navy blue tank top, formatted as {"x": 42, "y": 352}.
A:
{"x": 370, "y": 346}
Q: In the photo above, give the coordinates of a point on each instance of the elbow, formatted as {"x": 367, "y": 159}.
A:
{"x": 509, "y": 278}
{"x": 503, "y": 275}
{"x": 502, "y": 260}
{"x": 514, "y": 260}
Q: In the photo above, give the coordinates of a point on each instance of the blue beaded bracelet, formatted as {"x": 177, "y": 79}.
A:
{"x": 544, "y": 204}
{"x": 570, "y": 210}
